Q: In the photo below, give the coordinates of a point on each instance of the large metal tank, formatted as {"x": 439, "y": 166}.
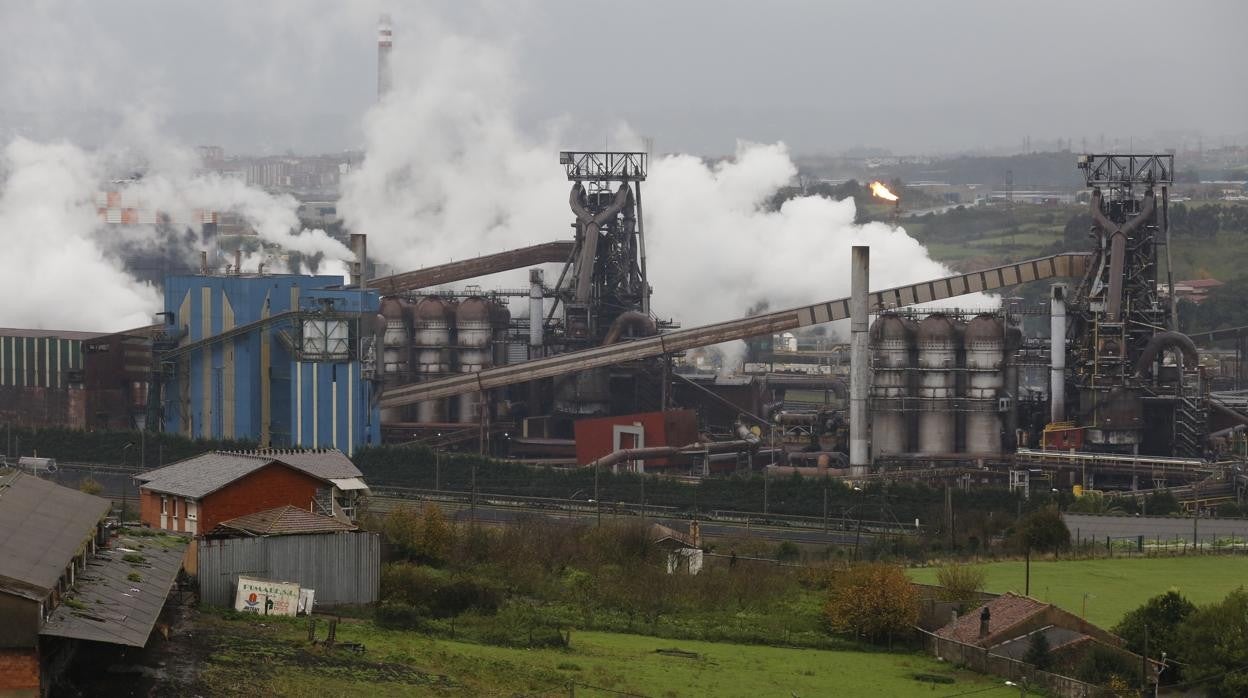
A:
{"x": 475, "y": 338}
{"x": 984, "y": 344}
{"x": 431, "y": 345}
{"x": 937, "y": 342}
{"x": 892, "y": 342}
{"x": 395, "y": 351}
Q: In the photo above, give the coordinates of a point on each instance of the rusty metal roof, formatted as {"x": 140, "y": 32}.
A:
{"x": 43, "y": 525}
{"x": 282, "y": 521}
{"x": 117, "y": 600}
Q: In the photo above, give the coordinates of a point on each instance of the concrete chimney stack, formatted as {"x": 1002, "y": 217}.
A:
{"x": 1057, "y": 353}
{"x": 385, "y": 36}
{"x": 859, "y": 362}
{"x": 359, "y": 265}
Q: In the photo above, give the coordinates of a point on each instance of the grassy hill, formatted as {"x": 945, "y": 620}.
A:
{"x": 1115, "y": 586}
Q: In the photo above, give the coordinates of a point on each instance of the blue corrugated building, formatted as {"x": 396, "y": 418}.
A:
{"x": 285, "y": 360}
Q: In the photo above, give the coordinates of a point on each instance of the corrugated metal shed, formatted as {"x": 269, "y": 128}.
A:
{"x": 343, "y": 568}
{"x": 42, "y": 527}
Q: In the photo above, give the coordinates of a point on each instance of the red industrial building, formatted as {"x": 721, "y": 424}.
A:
{"x": 195, "y": 495}
{"x": 601, "y": 435}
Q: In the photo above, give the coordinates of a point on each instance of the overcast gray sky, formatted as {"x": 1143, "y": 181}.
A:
{"x": 912, "y": 76}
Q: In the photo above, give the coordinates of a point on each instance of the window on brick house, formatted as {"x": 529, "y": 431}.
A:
{"x": 175, "y": 507}
{"x": 164, "y": 505}
{"x": 192, "y": 510}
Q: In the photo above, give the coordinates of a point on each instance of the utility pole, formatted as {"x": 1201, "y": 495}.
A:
{"x": 643, "y": 497}
{"x": 825, "y": 509}
{"x": 474, "y": 493}
{"x": 766, "y": 483}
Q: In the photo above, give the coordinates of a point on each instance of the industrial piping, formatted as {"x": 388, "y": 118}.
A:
{"x": 639, "y": 322}
{"x": 614, "y": 458}
{"x": 1057, "y": 353}
{"x": 859, "y": 365}
{"x": 1166, "y": 340}
{"x": 1068, "y": 264}
{"x": 1118, "y": 248}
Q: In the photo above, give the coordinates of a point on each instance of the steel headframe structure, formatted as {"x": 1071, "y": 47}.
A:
{"x": 606, "y": 276}
{"x": 1120, "y": 319}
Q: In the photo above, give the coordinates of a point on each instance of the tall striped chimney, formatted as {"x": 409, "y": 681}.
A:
{"x": 385, "y": 36}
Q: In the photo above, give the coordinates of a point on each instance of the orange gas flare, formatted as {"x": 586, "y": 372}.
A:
{"x": 878, "y": 189}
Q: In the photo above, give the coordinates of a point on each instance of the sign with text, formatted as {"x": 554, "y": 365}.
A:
{"x": 267, "y": 598}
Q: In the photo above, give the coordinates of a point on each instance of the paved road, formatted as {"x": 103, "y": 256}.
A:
{"x": 1163, "y": 528}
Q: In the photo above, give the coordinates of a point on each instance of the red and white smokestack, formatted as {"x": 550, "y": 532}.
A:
{"x": 385, "y": 37}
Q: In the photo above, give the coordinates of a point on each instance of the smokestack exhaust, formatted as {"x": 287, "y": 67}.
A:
{"x": 385, "y": 38}
{"x": 859, "y": 368}
{"x": 536, "y": 313}
{"x": 359, "y": 265}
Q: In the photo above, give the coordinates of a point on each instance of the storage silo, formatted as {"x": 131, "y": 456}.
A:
{"x": 937, "y": 344}
{"x": 431, "y": 344}
{"x": 475, "y": 337}
{"x": 984, "y": 343}
{"x": 892, "y": 342}
{"x": 395, "y": 351}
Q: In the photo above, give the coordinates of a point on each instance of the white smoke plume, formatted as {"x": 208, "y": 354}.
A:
{"x": 64, "y": 269}
{"x": 447, "y": 174}
{"x": 53, "y": 272}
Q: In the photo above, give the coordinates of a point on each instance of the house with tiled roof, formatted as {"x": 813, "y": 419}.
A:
{"x": 281, "y": 521}
{"x": 1005, "y": 627}
{"x": 196, "y": 495}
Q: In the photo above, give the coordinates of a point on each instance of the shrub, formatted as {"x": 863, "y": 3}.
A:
{"x": 875, "y": 601}
{"x": 398, "y": 616}
{"x": 960, "y": 583}
{"x": 89, "y": 485}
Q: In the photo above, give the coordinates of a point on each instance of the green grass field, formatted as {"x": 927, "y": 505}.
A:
{"x": 275, "y": 659}
{"x": 1116, "y": 586}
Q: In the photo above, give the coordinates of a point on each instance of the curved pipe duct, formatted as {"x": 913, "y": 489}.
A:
{"x": 640, "y": 323}
{"x": 1118, "y": 247}
{"x": 590, "y": 224}
{"x": 1160, "y": 342}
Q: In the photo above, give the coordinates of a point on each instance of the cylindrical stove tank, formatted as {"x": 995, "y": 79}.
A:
{"x": 395, "y": 351}
{"x": 475, "y": 336}
{"x": 431, "y": 344}
{"x": 984, "y": 343}
{"x": 937, "y": 344}
{"x": 891, "y": 344}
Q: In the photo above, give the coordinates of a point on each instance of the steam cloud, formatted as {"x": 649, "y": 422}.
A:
{"x": 63, "y": 269}
{"x": 448, "y": 175}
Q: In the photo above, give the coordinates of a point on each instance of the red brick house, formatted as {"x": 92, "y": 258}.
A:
{"x": 195, "y": 495}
